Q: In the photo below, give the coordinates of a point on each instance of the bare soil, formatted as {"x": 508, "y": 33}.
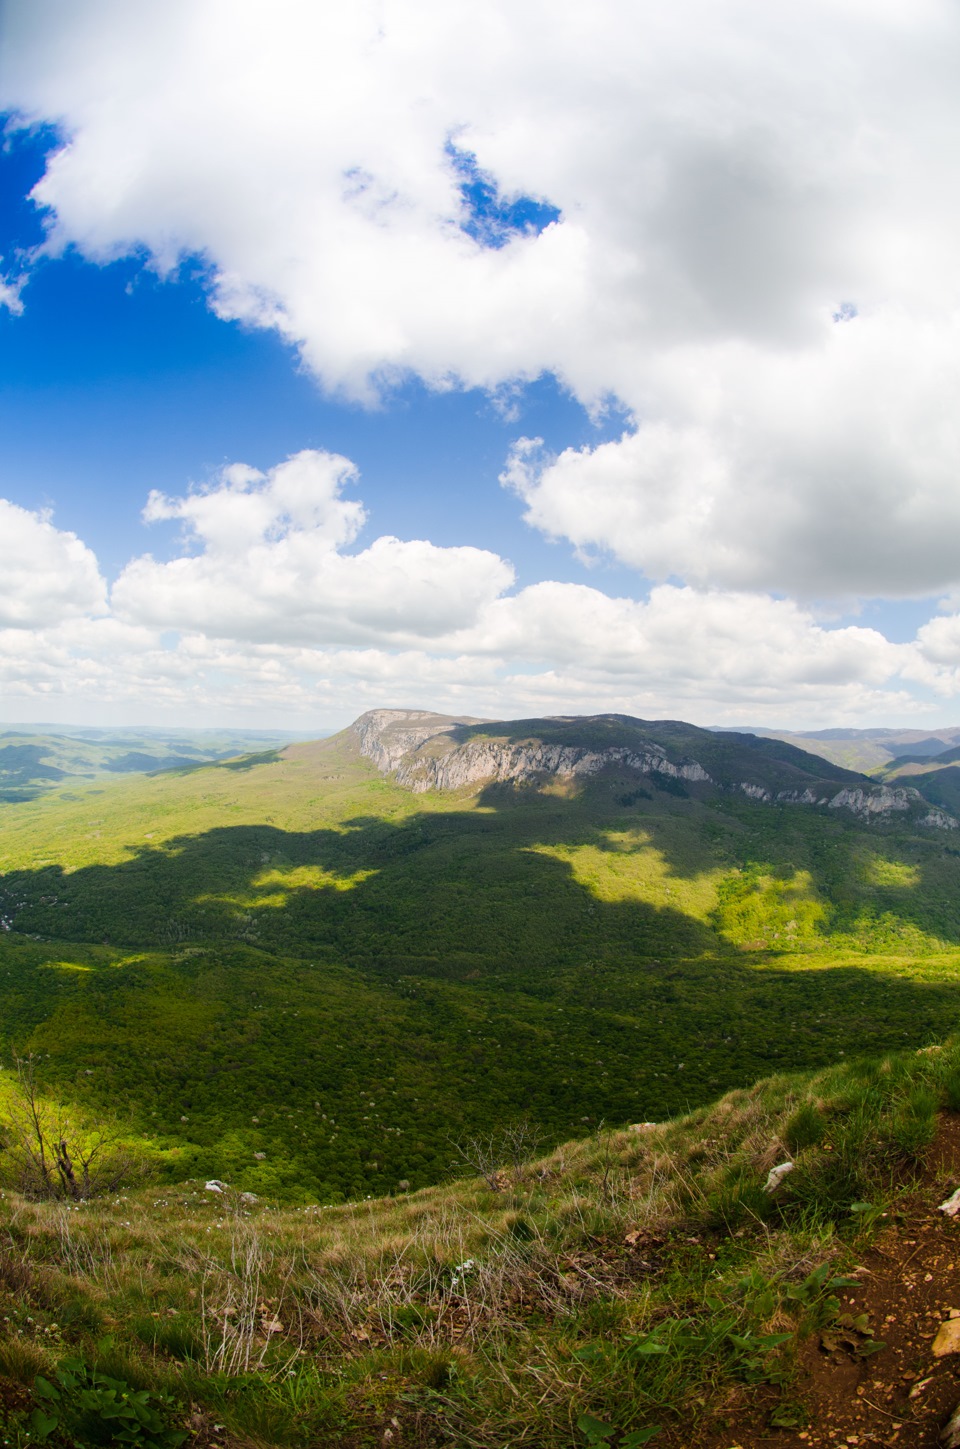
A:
{"x": 909, "y": 1283}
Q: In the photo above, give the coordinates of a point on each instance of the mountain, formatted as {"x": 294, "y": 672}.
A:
{"x": 554, "y": 960}
{"x": 437, "y": 752}
{"x": 936, "y": 777}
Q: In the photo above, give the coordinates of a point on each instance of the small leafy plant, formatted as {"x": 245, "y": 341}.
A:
{"x": 94, "y": 1408}
{"x": 597, "y": 1433}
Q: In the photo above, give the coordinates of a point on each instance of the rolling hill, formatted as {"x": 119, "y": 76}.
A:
{"x": 869, "y": 750}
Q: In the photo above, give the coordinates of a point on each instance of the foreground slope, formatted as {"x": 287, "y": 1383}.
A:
{"x": 630, "y": 1287}
{"x": 305, "y": 976}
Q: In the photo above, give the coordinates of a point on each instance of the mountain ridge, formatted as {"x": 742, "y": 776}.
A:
{"x": 443, "y": 752}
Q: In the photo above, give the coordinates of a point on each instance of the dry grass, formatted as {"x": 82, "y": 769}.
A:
{"x": 488, "y": 1305}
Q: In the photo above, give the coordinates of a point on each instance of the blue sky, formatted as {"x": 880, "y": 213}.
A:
{"x": 615, "y": 372}
{"x": 113, "y": 382}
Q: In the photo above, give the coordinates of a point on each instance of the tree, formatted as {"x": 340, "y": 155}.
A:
{"x": 47, "y": 1153}
{"x": 489, "y": 1153}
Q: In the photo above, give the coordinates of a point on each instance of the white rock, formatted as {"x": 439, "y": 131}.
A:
{"x": 776, "y": 1176}
{"x": 947, "y": 1339}
{"x": 215, "y": 1185}
{"x": 952, "y": 1205}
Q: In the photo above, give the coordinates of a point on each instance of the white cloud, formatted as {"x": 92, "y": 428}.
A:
{"x": 755, "y": 252}
{"x": 46, "y": 574}
{"x": 719, "y": 167}
{"x": 271, "y": 566}
{"x": 828, "y": 473}
{"x": 269, "y": 619}
{"x": 10, "y": 294}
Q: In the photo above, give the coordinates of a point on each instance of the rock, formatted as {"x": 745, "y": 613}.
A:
{"x": 776, "y": 1175}
{"x": 950, "y": 1434}
{"x": 642, "y": 1126}
{"x": 249, "y": 1197}
{"x": 952, "y": 1205}
{"x": 947, "y": 1339}
{"x": 259, "y": 1156}
{"x": 215, "y": 1185}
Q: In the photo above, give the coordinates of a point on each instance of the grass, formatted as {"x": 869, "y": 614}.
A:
{"x": 623, "y": 1281}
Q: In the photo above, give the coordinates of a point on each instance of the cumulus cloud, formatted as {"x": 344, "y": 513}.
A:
{"x": 271, "y": 565}
{"x": 753, "y": 249}
{"x": 46, "y": 574}
{"x": 267, "y": 616}
{"x": 727, "y": 180}
{"x": 827, "y": 472}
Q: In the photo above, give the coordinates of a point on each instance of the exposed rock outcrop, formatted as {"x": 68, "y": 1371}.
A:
{"x": 387, "y": 735}
{"x": 499, "y": 761}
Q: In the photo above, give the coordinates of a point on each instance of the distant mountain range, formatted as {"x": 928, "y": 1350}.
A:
{"x": 35, "y": 760}
{"x": 866, "y": 750}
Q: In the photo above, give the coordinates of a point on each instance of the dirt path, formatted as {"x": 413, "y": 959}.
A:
{"x": 909, "y": 1283}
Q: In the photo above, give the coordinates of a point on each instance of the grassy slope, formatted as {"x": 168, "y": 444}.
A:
{"x": 640, "y": 1279}
{"x": 300, "y": 960}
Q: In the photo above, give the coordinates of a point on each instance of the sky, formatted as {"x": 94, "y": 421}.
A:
{"x": 502, "y": 358}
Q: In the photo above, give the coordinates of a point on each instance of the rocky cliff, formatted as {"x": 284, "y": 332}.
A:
{"x": 428, "y": 751}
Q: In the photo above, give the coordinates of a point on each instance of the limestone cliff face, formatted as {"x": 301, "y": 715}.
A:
{"x": 428, "y": 752}
{"x": 387, "y": 735}
{"x": 501, "y": 760}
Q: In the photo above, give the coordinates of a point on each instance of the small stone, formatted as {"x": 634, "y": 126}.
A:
{"x": 776, "y": 1176}
{"x": 947, "y": 1339}
{"x": 952, "y": 1205}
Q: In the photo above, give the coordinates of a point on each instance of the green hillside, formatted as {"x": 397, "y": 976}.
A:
{"x": 290, "y": 973}
{"x": 626, "y": 1288}
{"x": 936, "y": 777}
